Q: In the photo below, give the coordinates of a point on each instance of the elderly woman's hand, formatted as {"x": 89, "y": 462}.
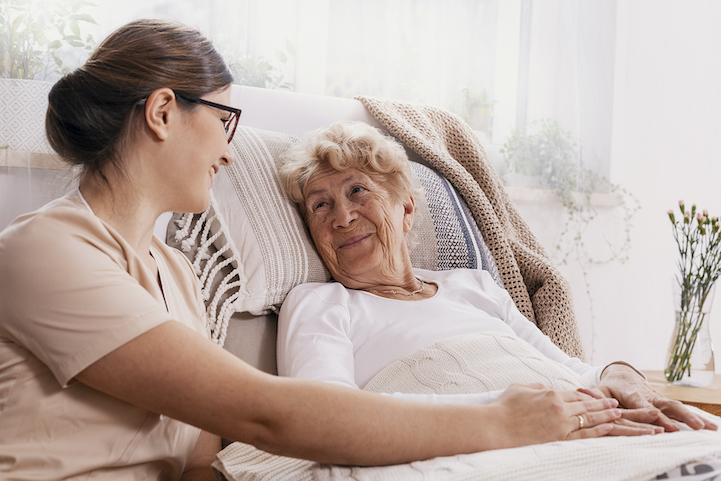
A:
{"x": 642, "y": 403}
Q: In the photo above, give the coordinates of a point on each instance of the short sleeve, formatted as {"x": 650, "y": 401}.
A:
{"x": 73, "y": 290}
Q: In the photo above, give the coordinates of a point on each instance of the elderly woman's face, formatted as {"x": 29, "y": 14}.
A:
{"x": 357, "y": 227}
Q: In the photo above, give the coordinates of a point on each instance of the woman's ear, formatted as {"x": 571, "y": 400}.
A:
{"x": 158, "y": 109}
{"x": 409, "y": 207}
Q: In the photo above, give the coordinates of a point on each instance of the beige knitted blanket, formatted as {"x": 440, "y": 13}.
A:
{"x": 447, "y": 143}
{"x": 476, "y": 363}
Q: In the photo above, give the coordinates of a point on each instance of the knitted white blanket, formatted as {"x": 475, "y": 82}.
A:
{"x": 473, "y": 363}
{"x": 482, "y": 362}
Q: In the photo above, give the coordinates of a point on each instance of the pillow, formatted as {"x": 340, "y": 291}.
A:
{"x": 251, "y": 246}
{"x": 456, "y": 241}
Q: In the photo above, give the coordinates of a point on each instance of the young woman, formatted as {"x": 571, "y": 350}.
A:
{"x": 106, "y": 370}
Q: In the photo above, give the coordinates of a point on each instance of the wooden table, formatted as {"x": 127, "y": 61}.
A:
{"x": 706, "y": 398}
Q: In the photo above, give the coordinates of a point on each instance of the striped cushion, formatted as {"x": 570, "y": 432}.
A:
{"x": 459, "y": 243}
{"x": 250, "y": 248}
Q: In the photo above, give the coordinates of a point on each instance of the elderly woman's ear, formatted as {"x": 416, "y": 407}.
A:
{"x": 409, "y": 206}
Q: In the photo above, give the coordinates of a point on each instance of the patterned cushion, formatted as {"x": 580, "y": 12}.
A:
{"x": 251, "y": 247}
{"x": 459, "y": 243}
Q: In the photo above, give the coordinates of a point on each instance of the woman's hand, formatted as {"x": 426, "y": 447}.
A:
{"x": 536, "y": 414}
{"x": 643, "y": 403}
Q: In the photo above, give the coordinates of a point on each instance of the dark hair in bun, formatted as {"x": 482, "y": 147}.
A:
{"x": 91, "y": 111}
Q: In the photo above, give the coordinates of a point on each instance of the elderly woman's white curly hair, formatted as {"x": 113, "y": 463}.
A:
{"x": 343, "y": 146}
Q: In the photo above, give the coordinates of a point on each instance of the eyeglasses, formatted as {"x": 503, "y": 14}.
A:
{"x": 230, "y": 124}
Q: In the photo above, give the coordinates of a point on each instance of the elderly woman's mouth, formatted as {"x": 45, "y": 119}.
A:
{"x": 354, "y": 241}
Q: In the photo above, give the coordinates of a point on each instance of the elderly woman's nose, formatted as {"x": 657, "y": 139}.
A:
{"x": 344, "y": 214}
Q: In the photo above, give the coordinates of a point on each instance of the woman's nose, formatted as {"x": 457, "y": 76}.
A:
{"x": 344, "y": 214}
{"x": 227, "y": 158}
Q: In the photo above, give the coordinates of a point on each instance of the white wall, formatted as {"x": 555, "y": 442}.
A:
{"x": 666, "y": 147}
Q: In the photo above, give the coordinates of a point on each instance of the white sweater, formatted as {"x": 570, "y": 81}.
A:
{"x": 345, "y": 336}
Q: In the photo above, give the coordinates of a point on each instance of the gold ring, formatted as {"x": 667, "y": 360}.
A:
{"x": 580, "y": 421}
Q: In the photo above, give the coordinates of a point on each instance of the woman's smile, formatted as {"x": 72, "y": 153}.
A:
{"x": 211, "y": 173}
{"x": 354, "y": 241}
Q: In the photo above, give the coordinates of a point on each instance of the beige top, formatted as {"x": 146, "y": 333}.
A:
{"x": 71, "y": 291}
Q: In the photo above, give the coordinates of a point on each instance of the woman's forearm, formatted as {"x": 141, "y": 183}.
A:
{"x": 472, "y": 398}
{"x": 388, "y": 431}
{"x": 173, "y": 371}
{"x": 340, "y": 425}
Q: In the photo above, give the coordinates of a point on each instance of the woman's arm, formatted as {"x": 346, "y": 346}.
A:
{"x": 175, "y": 371}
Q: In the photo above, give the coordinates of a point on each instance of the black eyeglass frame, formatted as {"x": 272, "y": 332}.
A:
{"x": 232, "y": 120}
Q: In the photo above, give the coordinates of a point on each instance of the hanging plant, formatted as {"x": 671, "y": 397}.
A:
{"x": 550, "y": 159}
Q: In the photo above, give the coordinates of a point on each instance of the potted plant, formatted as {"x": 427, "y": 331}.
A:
{"x": 477, "y": 109}
{"x": 33, "y": 34}
{"x": 258, "y": 71}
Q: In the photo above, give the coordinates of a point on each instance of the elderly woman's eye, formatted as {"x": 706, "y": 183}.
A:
{"x": 319, "y": 205}
{"x": 357, "y": 189}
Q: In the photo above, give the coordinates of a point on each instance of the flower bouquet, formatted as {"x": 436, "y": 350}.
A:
{"x": 698, "y": 238}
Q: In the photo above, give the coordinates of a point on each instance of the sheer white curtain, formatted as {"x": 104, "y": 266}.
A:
{"x": 501, "y": 64}
{"x": 436, "y": 52}
{"x": 420, "y": 51}
{"x": 567, "y": 71}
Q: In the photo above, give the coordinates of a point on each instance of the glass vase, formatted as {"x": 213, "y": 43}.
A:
{"x": 690, "y": 360}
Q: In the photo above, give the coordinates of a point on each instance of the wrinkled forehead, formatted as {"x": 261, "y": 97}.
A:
{"x": 327, "y": 178}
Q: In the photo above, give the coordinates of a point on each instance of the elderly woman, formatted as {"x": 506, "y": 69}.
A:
{"x": 352, "y": 185}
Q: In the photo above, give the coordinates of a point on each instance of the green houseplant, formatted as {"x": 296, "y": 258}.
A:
{"x": 33, "y": 35}
{"x": 259, "y": 71}
{"x": 476, "y": 108}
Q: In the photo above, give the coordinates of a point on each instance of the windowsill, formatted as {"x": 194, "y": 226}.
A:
{"x": 526, "y": 194}
{"x": 32, "y": 160}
